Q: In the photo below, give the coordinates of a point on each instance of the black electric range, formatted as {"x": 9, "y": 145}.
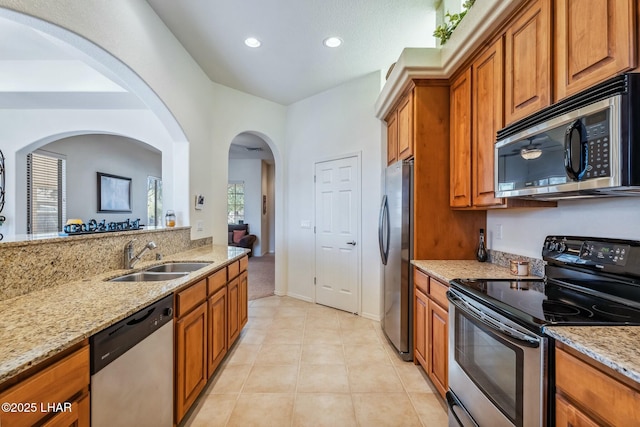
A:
{"x": 588, "y": 281}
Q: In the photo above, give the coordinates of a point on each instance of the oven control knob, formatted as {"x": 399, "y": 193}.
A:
{"x": 562, "y": 247}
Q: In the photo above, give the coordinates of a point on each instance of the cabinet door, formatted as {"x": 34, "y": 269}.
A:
{"x": 191, "y": 358}
{"x": 488, "y": 71}
{"x": 420, "y": 328}
{"x": 568, "y": 415}
{"x": 77, "y": 416}
{"x": 217, "y": 329}
{"x": 392, "y": 138}
{"x": 593, "y": 42}
{"x": 437, "y": 324}
{"x": 527, "y": 60}
{"x": 233, "y": 312}
{"x": 243, "y": 300}
{"x": 405, "y": 127}
{"x": 460, "y": 155}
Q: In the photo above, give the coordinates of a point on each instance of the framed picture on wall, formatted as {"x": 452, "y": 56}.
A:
{"x": 114, "y": 193}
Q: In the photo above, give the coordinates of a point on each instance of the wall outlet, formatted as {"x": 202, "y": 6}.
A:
{"x": 199, "y": 225}
{"x": 498, "y": 231}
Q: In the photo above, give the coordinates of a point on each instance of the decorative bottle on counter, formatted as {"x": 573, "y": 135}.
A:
{"x": 481, "y": 254}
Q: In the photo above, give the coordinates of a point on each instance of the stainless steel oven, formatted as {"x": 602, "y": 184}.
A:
{"x": 500, "y": 360}
{"x": 496, "y": 367}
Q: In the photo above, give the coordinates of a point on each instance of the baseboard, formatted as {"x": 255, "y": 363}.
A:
{"x": 370, "y": 316}
{"x": 300, "y": 297}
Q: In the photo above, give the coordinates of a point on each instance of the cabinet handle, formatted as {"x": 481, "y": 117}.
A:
{"x": 352, "y": 243}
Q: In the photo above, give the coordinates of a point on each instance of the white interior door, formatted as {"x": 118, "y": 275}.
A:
{"x": 337, "y": 191}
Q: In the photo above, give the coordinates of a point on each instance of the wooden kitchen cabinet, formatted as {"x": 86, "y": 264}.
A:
{"x": 591, "y": 394}
{"x": 64, "y": 381}
{"x": 460, "y": 159}
{"x": 392, "y": 137}
{"x": 209, "y": 317}
{"x": 400, "y": 129}
{"x": 487, "y": 119}
{"x": 191, "y": 358}
{"x": 593, "y": 42}
{"x": 216, "y": 329}
{"x": 430, "y": 325}
{"x": 528, "y": 61}
{"x": 243, "y": 310}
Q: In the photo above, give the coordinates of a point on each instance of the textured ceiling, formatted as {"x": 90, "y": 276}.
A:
{"x": 292, "y": 63}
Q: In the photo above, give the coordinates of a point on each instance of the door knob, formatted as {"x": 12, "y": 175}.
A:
{"x": 353, "y": 243}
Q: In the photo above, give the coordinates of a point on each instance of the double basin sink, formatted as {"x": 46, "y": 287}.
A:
{"x": 167, "y": 271}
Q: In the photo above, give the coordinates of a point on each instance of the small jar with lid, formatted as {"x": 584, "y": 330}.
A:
{"x": 170, "y": 219}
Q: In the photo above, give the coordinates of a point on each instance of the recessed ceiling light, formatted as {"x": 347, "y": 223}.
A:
{"x": 252, "y": 42}
{"x": 332, "y": 41}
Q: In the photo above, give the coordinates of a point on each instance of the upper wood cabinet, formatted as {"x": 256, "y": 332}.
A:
{"x": 400, "y": 130}
{"x": 528, "y": 61}
{"x": 487, "y": 120}
{"x": 460, "y": 141}
{"x": 392, "y": 138}
{"x": 593, "y": 41}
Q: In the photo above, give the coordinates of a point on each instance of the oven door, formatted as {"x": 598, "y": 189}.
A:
{"x": 497, "y": 369}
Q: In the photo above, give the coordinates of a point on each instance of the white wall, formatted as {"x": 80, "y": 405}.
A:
{"x": 264, "y": 215}
{"x": 88, "y": 154}
{"x": 334, "y": 123}
{"x": 249, "y": 171}
{"x": 271, "y": 203}
{"x": 524, "y": 230}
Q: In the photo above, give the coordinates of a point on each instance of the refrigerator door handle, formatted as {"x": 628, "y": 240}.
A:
{"x": 382, "y": 221}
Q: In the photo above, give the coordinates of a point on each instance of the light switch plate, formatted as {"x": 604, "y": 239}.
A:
{"x": 199, "y": 225}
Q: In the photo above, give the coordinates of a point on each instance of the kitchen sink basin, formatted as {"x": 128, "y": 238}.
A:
{"x": 146, "y": 276}
{"x": 172, "y": 267}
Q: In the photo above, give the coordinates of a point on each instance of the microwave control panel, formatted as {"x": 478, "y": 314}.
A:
{"x": 597, "y": 145}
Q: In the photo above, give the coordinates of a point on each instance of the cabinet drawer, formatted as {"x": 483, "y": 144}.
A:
{"x": 57, "y": 383}
{"x": 421, "y": 280}
{"x": 438, "y": 292}
{"x": 595, "y": 391}
{"x": 244, "y": 263}
{"x": 233, "y": 270}
{"x": 190, "y": 297}
{"x": 216, "y": 280}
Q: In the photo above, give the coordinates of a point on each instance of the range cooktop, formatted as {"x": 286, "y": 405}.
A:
{"x": 588, "y": 281}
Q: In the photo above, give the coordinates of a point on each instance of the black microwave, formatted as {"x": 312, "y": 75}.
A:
{"x": 587, "y": 145}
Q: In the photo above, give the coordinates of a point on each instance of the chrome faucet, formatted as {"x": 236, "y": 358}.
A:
{"x": 129, "y": 258}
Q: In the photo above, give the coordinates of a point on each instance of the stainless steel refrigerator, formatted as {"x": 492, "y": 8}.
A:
{"x": 395, "y": 236}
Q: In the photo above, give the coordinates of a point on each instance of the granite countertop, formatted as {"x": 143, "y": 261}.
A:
{"x": 38, "y": 325}
{"x": 613, "y": 346}
{"x": 447, "y": 270}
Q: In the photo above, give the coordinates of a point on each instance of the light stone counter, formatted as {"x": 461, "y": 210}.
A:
{"x": 447, "y": 270}
{"x": 40, "y": 324}
{"x": 617, "y": 347}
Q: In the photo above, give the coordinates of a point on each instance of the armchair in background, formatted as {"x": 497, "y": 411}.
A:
{"x": 239, "y": 236}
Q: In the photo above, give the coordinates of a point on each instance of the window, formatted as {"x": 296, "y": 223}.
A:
{"x": 154, "y": 201}
{"x": 235, "y": 202}
{"x": 46, "y": 192}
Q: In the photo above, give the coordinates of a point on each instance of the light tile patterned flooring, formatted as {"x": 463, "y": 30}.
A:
{"x": 302, "y": 364}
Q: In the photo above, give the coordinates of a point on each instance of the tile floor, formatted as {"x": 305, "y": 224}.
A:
{"x": 301, "y": 364}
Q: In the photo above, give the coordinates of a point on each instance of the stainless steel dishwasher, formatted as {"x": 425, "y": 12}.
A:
{"x": 132, "y": 370}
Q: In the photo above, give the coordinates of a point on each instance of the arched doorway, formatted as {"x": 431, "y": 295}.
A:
{"x": 251, "y": 207}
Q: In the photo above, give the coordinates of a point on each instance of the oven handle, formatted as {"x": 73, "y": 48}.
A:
{"x": 499, "y": 327}
{"x": 453, "y": 403}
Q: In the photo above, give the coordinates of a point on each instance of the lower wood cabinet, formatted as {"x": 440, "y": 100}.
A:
{"x": 191, "y": 358}
{"x": 217, "y": 329}
{"x": 65, "y": 382}
{"x": 591, "y": 394}
{"x": 209, "y": 317}
{"x": 430, "y": 326}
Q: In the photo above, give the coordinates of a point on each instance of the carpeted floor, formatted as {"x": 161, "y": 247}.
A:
{"x": 261, "y": 276}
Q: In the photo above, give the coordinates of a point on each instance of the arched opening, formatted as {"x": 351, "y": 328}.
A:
{"x": 60, "y": 85}
{"x": 251, "y": 209}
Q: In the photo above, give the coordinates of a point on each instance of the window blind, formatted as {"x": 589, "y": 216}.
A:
{"x": 46, "y": 193}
